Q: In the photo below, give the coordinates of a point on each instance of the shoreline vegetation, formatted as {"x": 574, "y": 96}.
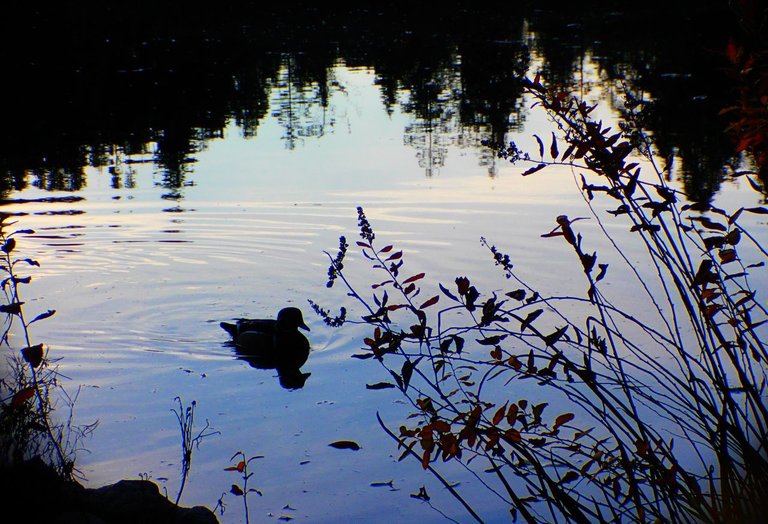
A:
{"x": 662, "y": 402}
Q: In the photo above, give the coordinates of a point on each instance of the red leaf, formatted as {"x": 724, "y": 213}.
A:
{"x": 394, "y": 256}
{"x": 414, "y": 278}
{"x": 22, "y": 396}
{"x": 430, "y": 302}
{"x": 364, "y": 244}
{"x": 499, "y": 415}
{"x": 385, "y": 249}
{"x": 563, "y": 419}
{"x": 512, "y": 414}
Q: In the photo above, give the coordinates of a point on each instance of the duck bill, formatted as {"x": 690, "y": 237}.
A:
{"x": 304, "y": 326}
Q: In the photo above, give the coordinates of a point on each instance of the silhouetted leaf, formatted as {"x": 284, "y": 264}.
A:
{"x": 534, "y": 169}
{"x": 345, "y": 444}
{"x": 13, "y": 308}
{"x": 757, "y": 210}
{"x": 33, "y": 355}
{"x": 394, "y": 256}
{"x": 491, "y": 341}
{"x": 727, "y": 255}
{"x": 554, "y": 337}
{"x": 569, "y": 476}
{"x": 563, "y": 419}
{"x": 448, "y": 293}
{"x": 518, "y": 294}
{"x": 533, "y": 315}
{"x": 380, "y": 385}
{"x": 541, "y": 145}
{"x": 362, "y": 356}
{"x": 363, "y": 244}
{"x": 236, "y": 490}
{"x": 9, "y": 245}
{"x": 553, "y": 147}
{"x": 43, "y": 316}
{"x": 601, "y": 274}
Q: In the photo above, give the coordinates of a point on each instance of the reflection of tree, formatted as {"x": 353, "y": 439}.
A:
{"x": 433, "y": 103}
{"x": 301, "y": 95}
{"x": 179, "y": 80}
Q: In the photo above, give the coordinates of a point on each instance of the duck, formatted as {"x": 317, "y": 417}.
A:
{"x": 272, "y": 343}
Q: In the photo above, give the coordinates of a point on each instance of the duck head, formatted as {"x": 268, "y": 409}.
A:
{"x": 290, "y": 318}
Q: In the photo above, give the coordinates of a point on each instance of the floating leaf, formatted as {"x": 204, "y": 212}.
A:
{"x": 345, "y": 444}
{"x": 380, "y": 385}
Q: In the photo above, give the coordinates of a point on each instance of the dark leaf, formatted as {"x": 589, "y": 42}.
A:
{"x": 534, "y": 169}
{"x": 569, "y": 476}
{"x": 22, "y": 396}
{"x": 9, "y": 245}
{"x": 236, "y": 490}
{"x": 757, "y": 210}
{"x": 553, "y": 152}
{"x": 541, "y": 146}
{"x": 380, "y": 385}
{"x": 554, "y": 337}
{"x": 533, "y": 315}
{"x": 345, "y": 444}
{"x": 448, "y": 293}
{"x": 414, "y": 278}
{"x": 364, "y": 244}
{"x": 13, "y": 308}
{"x": 43, "y": 316}
{"x": 518, "y": 294}
{"x": 563, "y": 419}
{"x": 430, "y": 302}
{"x": 491, "y": 341}
{"x": 33, "y": 355}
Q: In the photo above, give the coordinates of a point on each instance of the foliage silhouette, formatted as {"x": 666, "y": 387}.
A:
{"x": 662, "y": 412}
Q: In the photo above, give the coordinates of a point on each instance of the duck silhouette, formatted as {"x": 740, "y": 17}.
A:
{"x": 272, "y": 344}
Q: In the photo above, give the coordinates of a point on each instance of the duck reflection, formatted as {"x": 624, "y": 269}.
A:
{"x": 273, "y": 344}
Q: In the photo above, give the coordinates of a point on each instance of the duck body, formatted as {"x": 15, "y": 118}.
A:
{"x": 268, "y": 343}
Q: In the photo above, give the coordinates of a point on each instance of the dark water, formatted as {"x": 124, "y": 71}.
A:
{"x": 184, "y": 168}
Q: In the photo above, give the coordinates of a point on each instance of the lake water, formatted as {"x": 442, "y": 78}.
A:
{"x": 145, "y": 266}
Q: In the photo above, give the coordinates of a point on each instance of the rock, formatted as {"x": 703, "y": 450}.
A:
{"x": 35, "y": 486}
